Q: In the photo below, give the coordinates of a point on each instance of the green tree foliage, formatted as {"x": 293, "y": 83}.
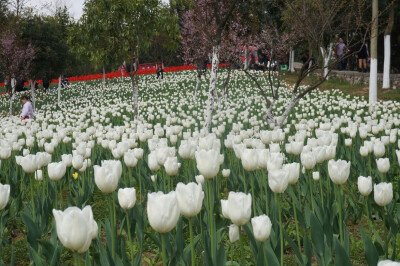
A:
{"x": 48, "y": 36}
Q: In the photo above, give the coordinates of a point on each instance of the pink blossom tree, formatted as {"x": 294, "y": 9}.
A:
{"x": 15, "y": 59}
{"x": 206, "y": 26}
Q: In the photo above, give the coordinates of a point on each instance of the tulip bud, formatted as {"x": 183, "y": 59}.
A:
{"x": 294, "y": 172}
{"x": 364, "y": 151}
{"x": 107, "y": 175}
{"x": 233, "y": 233}
{"x": 76, "y": 228}
{"x": 127, "y": 198}
{"x": 278, "y": 180}
{"x": 130, "y": 159}
{"x": 388, "y": 263}
{"x": 154, "y": 178}
{"x": 379, "y": 149}
{"x": 28, "y": 163}
{"x": 162, "y": 211}
{"x": 39, "y": 175}
{"x": 226, "y": 172}
{"x": 315, "y": 176}
{"x": 348, "y": 142}
{"x": 364, "y": 185}
{"x": 239, "y": 207}
{"x": 383, "y": 193}
{"x": 398, "y": 155}
{"x": 225, "y": 209}
{"x": 56, "y": 170}
{"x": 261, "y": 227}
{"x": 67, "y": 159}
{"x": 308, "y": 160}
{"x": 190, "y": 198}
{"x": 77, "y": 161}
{"x": 4, "y": 195}
{"x": 5, "y": 152}
{"x": 171, "y": 166}
{"x": 339, "y": 171}
{"x": 383, "y": 165}
{"x": 200, "y": 179}
{"x": 249, "y": 159}
{"x": 207, "y": 162}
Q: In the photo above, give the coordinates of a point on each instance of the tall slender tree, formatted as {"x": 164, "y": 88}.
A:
{"x": 373, "y": 77}
{"x": 387, "y": 49}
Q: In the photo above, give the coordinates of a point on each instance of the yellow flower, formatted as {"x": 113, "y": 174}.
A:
{"x": 75, "y": 175}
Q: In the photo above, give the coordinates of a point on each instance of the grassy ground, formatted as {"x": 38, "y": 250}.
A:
{"x": 345, "y": 86}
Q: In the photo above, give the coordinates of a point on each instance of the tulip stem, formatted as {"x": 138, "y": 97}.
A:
{"x": 113, "y": 224}
{"x": 244, "y": 181}
{"x": 130, "y": 236}
{"x": 211, "y": 220}
{"x": 322, "y": 197}
{"x": 193, "y": 255}
{"x": 77, "y": 259}
{"x": 164, "y": 253}
{"x": 340, "y": 214}
{"x": 310, "y": 179}
{"x": 278, "y": 201}
{"x": 265, "y": 253}
{"x": 252, "y": 195}
{"x": 295, "y": 217}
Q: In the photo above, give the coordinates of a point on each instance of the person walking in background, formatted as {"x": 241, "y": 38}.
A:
{"x": 27, "y": 110}
{"x": 7, "y": 84}
{"x": 340, "y": 51}
{"x": 362, "y": 57}
{"x": 160, "y": 72}
{"x": 46, "y": 83}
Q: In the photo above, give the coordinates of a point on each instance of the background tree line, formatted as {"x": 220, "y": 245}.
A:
{"x": 69, "y": 47}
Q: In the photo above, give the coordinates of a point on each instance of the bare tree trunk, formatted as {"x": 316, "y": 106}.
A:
{"x": 373, "y": 77}
{"x": 224, "y": 90}
{"x": 326, "y": 55}
{"x": 59, "y": 91}
{"x": 135, "y": 94}
{"x": 13, "y": 84}
{"x": 32, "y": 85}
{"x": 291, "y": 60}
{"x": 386, "y": 62}
{"x": 246, "y": 58}
{"x": 213, "y": 85}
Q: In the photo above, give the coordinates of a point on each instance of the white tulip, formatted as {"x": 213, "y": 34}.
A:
{"x": 239, "y": 207}
{"x": 339, "y": 171}
{"x": 56, "y": 170}
{"x": 383, "y": 193}
{"x": 364, "y": 185}
{"x": 207, "y": 163}
{"x": 233, "y": 233}
{"x": 278, "y": 180}
{"x": 162, "y": 211}
{"x": 76, "y": 228}
{"x": 261, "y": 227}
{"x": 4, "y": 195}
{"x": 190, "y": 198}
{"x": 383, "y": 165}
{"x": 107, "y": 175}
{"x": 127, "y": 198}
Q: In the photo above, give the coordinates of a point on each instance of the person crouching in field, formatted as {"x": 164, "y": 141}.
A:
{"x": 27, "y": 110}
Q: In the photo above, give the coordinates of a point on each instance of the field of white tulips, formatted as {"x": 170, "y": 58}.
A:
{"x": 86, "y": 183}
